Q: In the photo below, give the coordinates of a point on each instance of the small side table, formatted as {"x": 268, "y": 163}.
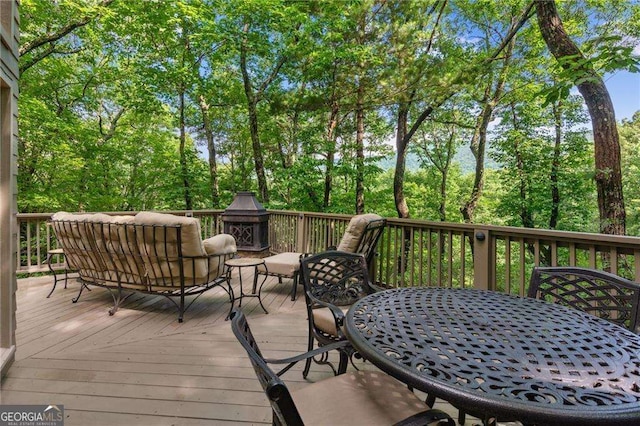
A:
{"x": 50, "y": 254}
{"x": 241, "y": 262}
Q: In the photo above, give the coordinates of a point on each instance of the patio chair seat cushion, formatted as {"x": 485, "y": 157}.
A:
{"x": 363, "y": 397}
{"x": 324, "y": 320}
{"x": 353, "y": 233}
{"x": 286, "y": 264}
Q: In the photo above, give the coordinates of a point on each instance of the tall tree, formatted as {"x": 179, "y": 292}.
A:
{"x": 491, "y": 98}
{"x": 254, "y": 96}
{"x": 605, "y": 133}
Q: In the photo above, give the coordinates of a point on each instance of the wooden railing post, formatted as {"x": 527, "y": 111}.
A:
{"x": 482, "y": 259}
{"x": 301, "y": 235}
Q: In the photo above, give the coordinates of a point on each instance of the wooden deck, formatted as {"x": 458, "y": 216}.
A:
{"x": 142, "y": 367}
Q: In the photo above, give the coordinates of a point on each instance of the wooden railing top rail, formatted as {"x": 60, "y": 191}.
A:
{"x": 511, "y": 231}
{"x": 122, "y": 213}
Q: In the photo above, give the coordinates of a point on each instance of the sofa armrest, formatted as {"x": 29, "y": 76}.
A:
{"x": 220, "y": 244}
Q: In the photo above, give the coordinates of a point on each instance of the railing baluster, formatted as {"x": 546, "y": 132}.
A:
{"x": 450, "y": 258}
{"x": 412, "y": 257}
{"x": 507, "y": 263}
{"x": 463, "y": 260}
{"x": 429, "y": 256}
{"x": 572, "y": 254}
{"x": 613, "y": 260}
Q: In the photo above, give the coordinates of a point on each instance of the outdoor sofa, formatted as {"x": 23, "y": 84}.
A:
{"x": 153, "y": 253}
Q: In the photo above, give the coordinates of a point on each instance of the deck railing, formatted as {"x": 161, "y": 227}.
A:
{"x": 410, "y": 252}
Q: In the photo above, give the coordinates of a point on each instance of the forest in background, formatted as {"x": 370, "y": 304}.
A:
{"x": 133, "y": 105}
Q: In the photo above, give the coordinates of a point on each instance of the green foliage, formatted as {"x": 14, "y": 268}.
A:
{"x": 630, "y": 150}
{"x": 100, "y": 110}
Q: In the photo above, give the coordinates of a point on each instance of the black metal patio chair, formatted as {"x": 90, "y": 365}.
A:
{"x": 333, "y": 281}
{"x": 363, "y": 397}
{"x": 599, "y": 293}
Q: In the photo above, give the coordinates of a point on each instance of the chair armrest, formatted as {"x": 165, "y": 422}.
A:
{"x": 377, "y": 288}
{"x": 338, "y": 315}
{"x": 291, "y": 361}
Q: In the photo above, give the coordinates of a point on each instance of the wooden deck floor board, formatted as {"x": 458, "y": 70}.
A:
{"x": 84, "y": 418}
{"x": 141, "y": 366}
{"x": 137, "y": 406}
{"x": 166, "y": 392}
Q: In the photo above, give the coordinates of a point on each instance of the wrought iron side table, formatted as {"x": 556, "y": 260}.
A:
{"x": 247, "y": 262}
{"x": 502, "y": 356}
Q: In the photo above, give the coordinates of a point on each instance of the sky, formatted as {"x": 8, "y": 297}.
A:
{"x": 624, "y": 89}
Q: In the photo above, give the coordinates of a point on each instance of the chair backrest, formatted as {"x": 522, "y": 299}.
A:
{"x": 362, "y": 235}
{"x": 284, "y": 409}
{"x": 599, "y": 293}
{"x": 336, "y": 277}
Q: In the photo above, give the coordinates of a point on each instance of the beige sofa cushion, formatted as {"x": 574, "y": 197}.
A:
{"x": 191, "y": 234}
{"x": 158, "y": 243}
{"x": 355, "y": 229}
{"x": 122, "y": 252}
{"x": 76, "y": 234}
{"x": 220, "y": 244}
{"x": 217, "y": 245}
{"x": 364, "y": 398}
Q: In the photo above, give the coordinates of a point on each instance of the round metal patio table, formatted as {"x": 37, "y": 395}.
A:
{"x": 493, "y": 354}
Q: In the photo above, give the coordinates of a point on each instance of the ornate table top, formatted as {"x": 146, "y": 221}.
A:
{"x": 244, "y": 261}
{"x": 501, "y": 355}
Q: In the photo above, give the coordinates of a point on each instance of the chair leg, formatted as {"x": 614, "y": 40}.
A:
{"x": 430, "y": 400}
{"x": 461, "y": 417}
{"x": 307, "y": 364}
{"x": 344, "y": 361}
{"x": 294, "y": 290}
{"x": 55, "y": 276}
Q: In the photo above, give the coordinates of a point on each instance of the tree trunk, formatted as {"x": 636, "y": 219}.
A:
{"x": 479, "y": 139}
{"x": 213, "y": 165}
{"x": 525, "y": 212}
{"x": 252, "y": 109}
{"x": 253, "y": 97}
{"x": 555, "y": 164}
{"x": 605, "y": 133}
{"x": 360, "y": 150}
{"x": 401, "y": 146}
{"x": 478, "y": 148}
{"x": 331, "y": 153}
{"x": 188, "y": 202}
